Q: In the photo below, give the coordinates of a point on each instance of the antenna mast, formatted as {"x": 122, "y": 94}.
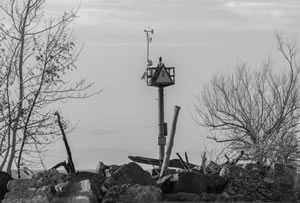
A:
{"x": 160, "y": 77}
{"x": 149, "y": 39}
{"x": 149, "y": 62}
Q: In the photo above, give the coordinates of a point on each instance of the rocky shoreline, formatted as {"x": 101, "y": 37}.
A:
{"x": 131, "y": 183}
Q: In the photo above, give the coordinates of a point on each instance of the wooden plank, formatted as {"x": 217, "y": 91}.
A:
{"x": 174, "y": 163}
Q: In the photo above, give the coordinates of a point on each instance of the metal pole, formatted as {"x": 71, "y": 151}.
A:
{"x": 148, "y": 41}
{"x": 161, "y": 137}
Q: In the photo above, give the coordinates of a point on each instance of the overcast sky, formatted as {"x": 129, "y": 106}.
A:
{"x": 198, "y": 37}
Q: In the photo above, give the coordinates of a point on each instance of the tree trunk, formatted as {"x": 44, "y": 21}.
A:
{"x": 21, "y": 90}
{"x": 6, "y": 153}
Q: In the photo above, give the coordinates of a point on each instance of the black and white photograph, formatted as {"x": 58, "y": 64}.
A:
{"x": 149, "y": 101}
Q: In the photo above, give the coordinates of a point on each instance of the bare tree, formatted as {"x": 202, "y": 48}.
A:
{"x": 33, "y": 60}
{"x": 256, "y": 111}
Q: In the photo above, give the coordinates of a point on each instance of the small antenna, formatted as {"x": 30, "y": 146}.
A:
{"x": 149, "y": 39}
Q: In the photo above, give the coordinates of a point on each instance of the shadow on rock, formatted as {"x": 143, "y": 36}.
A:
{"x": 192, "y": 182}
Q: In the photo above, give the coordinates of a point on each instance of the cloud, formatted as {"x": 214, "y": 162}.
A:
{"x": 111, "y": 16}
{"x": 271, "y": 14}
{"x": 255, "y": 9}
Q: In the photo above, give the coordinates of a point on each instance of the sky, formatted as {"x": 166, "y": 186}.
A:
{"x": 198, "y": 37}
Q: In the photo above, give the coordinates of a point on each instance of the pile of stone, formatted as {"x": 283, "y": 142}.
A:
{"x": 130, "y": 183}
{"x": 53, "y": 186}
{"x": 258, "y": 184}
{"x": 228, "y": 182}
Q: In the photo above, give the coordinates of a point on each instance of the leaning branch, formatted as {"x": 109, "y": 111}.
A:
{"x": 165, "y": 164}
{"x": 70, "y": 164}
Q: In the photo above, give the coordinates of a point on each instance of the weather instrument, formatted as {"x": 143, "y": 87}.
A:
{"x": 160, "y": 77}
{"x": 149, "y": 62}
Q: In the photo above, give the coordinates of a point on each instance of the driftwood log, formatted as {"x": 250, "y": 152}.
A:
{"x": 174, "y": 163}
{"x": 166, "y": 160}
{"x": 187, "y": 160}
{"x": 184, "y": 164}
{"x": 69, "y": 165}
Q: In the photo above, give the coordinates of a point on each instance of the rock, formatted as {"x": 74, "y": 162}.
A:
{"x": 269, "y": 180}
{"x": 130, "y": 173}
{"x": 192, "y": 182}
{"x": 182, "y": 197}
{"x": 204, "y": 197}
{"x": 224, "y": 171}
{"x": 251, "y": 185}
{"x": 251, "y": 166}
{"x": 95, "y": 179}
{"x": 282, "y": 175}
{"x": 52, "y": 186}
{"x": 82, "y": 191}
{"x": 133, "y": 194}
{"x": 109, "y": 170}
{"x": 106, "y": 171}
{"x": 100, "y": 170}
{"x": 47, "y": 177}
{"x": 4, "y": 179}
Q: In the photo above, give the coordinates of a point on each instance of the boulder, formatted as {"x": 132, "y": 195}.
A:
{"x": 133, "y": 193}
{"x": 283, "y": 175}
{"x": 130, "y": 173}
{"x": 192, "y": 182}
{"x": 4, "y": 179}
{"x": 224, "y": 171}
{"x": 109, "y": 170}
{"x": 52, "y": 186}
{"x": 204, "y": 197}
{"x": 106, "y": 170}
{"x": 95, "y": 179}
{"x": 251, "y": 185}
{"x": 83, "y": 191}
{"x": 47, "y": 177}
{"x": 182, "y": 197}
{"x": 100, "y": 170}
{"x": 66, "y": 192}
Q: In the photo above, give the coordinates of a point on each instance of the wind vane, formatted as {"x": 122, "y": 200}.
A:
{"x": 159, "y": 77}
{"x": 149, "y": 39}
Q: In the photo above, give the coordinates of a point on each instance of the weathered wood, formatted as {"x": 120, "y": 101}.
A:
{"x": 187, "y": 160}
{"x": 62, "y": 164}
{"x": 173, "y": 163}
{"x": 184, "y": 164}
{"x": 70, "y": 164}
{"x": 166, "y": 160}
{"x": 156, "y": 171}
